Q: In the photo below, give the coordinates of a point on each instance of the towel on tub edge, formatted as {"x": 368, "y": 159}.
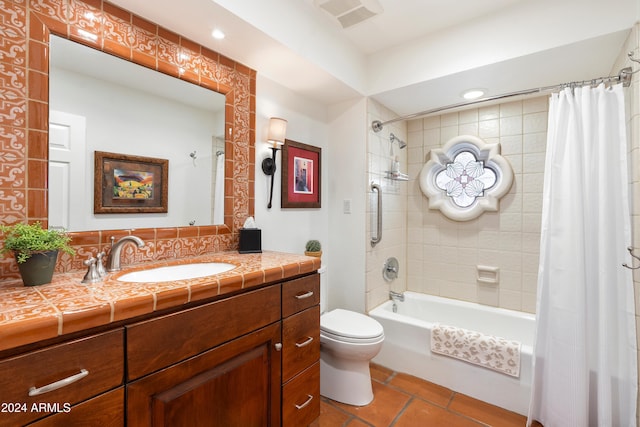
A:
{"x": 491, "y": 352}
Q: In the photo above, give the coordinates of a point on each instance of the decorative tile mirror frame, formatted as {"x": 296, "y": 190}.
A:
{"x": 24, "y": 56}
{"x": 466, "y": 177}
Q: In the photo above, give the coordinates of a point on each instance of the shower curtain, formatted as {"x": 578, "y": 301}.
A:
{"x": 218, "y": 192}
{"x": 585, "y": 370}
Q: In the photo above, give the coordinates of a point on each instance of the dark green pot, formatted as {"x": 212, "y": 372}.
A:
{"x": 38, "y": 269}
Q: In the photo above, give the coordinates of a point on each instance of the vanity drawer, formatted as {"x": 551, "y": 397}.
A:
{"x": 300, "y": 294}
{"x": 301, "y": 342}
{"x": 106, "y": 410}
{"x": 89, "y": 365}
{"x": 301, "y": 398}
{"x": 157, "y": 343}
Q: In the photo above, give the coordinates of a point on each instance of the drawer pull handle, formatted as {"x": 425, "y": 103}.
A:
{"x": 58, "y": 384}
{"x": 305, "y": 343}
{"x": 305, "y": 295}
{"x": 305, "y": 403}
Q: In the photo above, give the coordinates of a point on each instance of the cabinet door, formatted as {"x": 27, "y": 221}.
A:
{"x": 235, "y": 384}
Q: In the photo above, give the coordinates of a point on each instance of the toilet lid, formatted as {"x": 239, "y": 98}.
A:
{"x": 350, "y": 324}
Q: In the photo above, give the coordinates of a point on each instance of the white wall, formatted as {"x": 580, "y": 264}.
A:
{"x": 122, "y": 120}
{"x": 288, "y": 230}
{"x": 340, "y": 131}
{"x": 347, "y": 157}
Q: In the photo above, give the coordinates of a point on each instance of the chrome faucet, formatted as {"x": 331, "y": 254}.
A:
{"x": 396, "y": 296}
{"x": 113, "y": 260}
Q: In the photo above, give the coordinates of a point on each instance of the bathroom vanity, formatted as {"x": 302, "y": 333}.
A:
{"x": 248, "y": 355}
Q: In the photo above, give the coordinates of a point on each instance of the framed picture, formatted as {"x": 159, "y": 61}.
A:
{"x": 129, "y": 184}
{"x": 300, "y": 175}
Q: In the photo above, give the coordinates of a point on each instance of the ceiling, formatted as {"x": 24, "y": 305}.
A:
{"x": 414, "y": 56}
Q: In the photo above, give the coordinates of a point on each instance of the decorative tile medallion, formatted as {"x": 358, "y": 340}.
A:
{"x": 465, "y": 177}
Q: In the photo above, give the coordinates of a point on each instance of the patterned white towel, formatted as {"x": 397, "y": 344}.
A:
{"x": 491, "y": 352}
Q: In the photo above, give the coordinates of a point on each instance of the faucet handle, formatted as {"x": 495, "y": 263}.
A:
{"x": 100, "y": 264}
{"x": 92, "y": 273}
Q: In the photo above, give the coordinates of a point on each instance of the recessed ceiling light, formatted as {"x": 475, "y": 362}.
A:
{"x": 473, "y": 93}
{"x": 217, "y": 34}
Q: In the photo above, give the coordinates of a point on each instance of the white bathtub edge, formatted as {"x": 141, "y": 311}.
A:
{"x": 406, "y": 349}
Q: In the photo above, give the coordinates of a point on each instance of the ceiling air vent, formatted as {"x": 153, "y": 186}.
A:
{"x": 350, "y": 12}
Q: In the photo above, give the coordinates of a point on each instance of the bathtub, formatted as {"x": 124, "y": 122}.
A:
{"x": 406, "y": 346}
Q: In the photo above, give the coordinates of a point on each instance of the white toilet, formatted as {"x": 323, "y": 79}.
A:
{"x": 348, "y": 341}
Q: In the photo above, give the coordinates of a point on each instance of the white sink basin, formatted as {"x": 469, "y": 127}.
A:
{"x": 177, "y": 272}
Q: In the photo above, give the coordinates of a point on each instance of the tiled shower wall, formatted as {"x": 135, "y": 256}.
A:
{"x": 380, "y": 154}
{"x": 24, "y": 118}
{"x": 443, "y": 254}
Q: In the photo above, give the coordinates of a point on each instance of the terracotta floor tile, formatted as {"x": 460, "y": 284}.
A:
{"x": 420, "y": 413}
{"x": 401, "y": 400}
{"x": 486, "y": 413}
{"x": 330, "y": 416}
{"x": 380, "y": 373}
{"x": 426, "y": 390}
{"x": 386, "y": 405}
{"x": 357, "y": 423}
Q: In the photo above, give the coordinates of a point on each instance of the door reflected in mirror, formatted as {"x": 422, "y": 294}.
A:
{"x": 98, "y": 102}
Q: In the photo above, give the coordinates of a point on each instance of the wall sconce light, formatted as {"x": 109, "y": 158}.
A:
{"x": 277, "y": 132}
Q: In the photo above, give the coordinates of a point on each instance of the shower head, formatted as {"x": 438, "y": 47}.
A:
{"x": 401, "y": 143}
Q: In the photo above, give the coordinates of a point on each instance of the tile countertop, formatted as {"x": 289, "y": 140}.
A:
{"x": 31, "y": 314}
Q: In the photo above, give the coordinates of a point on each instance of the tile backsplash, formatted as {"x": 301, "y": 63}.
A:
{"x": 24, "y": 56}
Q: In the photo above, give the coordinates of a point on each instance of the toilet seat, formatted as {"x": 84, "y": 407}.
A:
{"x": 324, "y": 335}
{"x": 349, "y": 326}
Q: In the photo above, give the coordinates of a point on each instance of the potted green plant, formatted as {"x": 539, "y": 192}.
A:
{"x": 35, "y": 249}
{"x": 313, "y": 248}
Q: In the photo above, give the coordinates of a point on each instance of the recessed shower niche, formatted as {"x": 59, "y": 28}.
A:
{"x": 465, "y": 177}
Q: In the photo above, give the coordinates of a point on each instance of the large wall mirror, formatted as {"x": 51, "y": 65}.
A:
{"x": 103, "y": 28}
{"x": 98, "y": 102}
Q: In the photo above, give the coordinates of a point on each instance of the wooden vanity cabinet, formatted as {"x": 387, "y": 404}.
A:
{"x": 251, "y": 359}
{"x": 301, "y": 351}
{"x": 248, "y": 360}
{"x": 219, "y": 379}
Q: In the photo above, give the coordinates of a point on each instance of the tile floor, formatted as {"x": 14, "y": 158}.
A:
{"x": 402, "y": 400}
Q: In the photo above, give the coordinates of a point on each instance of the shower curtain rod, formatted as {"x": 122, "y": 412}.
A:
{"x": 624, "y": 76}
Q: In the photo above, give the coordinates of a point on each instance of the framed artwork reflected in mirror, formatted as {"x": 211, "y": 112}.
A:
{"x": 129, "y": 184}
